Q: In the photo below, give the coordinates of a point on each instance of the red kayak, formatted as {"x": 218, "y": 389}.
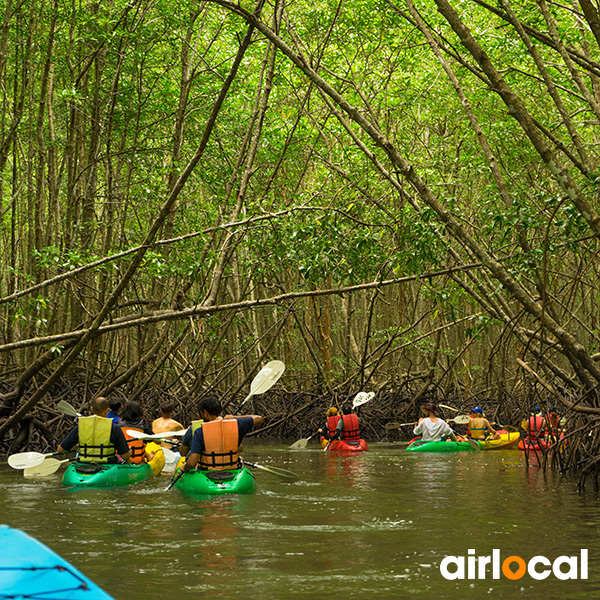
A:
{"x": 537, "y": 444}
{"x": 343, "y": 446}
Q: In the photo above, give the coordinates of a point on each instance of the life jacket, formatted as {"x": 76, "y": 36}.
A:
{"x": 534, "y": 427}
{"x": 351, "y": 430}
{"x": 332, "y": 424}
{"x": 195, "y": 424}
{"x": 137, "y": 447}
{"x": 94, "y": 439}
{"x": 221, "y": 442}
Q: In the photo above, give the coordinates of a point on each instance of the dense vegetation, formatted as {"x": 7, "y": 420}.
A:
{"x": 385, "y": 195}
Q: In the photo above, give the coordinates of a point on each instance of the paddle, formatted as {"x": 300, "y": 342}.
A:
{"x": 302, "y": 443}
{"x": 175, "y": 480}
{"x": 448, "y": 407}
{"x": 66, "y": 408}
{"x": 48, "y": 467}
{"x": 265, "y": 379}
{"x": 23, "y": 460}
{"x": 275, "y": 470}
{"x": 459, "y": 420}
{"x": 362, "y": 398}
{"x": 140, "y": 435}
{"x": 396, "y": 425}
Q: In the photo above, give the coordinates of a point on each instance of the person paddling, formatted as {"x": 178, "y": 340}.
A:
{"x": 432, "y": 428}
{"x": 99, "y": 439}
{"x": 479, "y": 427}
{"x": 535, "y": 425}
{"x": 215, "y": 445}
{"x": 186, "y": 442}
{"x": 348, "y": 427}
{"x": 328, "y": 431}
{"x": 166, "y": 422}
{"x": 132, "y": 417}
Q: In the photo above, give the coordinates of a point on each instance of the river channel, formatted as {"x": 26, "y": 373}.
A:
{"x": 376, "y": 525}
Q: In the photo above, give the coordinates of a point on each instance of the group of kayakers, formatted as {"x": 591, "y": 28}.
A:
{"x": 344, "y": 426}
{"x": 212, "y": 442}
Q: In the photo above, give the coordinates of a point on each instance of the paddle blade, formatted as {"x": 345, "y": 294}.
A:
{"x": 448, "y": 407}
{"x": 474, "y": 445}
{"x": 267, "y": 377}
{"x": 461, "y": 419}
{"x": 26, "y": 459}
{"x": 362, "y": 398}
{"x": 275, "y": 470}
{"x": 66, "y": 408}
{"x": 299, "y": 444}
{"x": 48, "y": 467}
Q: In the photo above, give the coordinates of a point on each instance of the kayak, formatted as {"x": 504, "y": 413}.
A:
{"x": 29, "y": 569}
{"x": 235, "y": 481}
{"x": 114, "y": 475}
{"x": 440, "y": 446}
{"x": 344, "y": 446}
{"x": 507, "y": 440}
{"x": 538, "y": 445}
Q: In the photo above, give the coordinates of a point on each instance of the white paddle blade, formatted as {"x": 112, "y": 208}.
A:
{"x": 66, "y": 408}
{"x": 48, "y": 467}
{"x": 26, "y": 459}
{"x": 474, "y": 445}
{"x": 362, "y": 398}
{"x": 448, "y": 407}
{"x": 461, "y": 419}
{"x": 266, "y": 377}
{"x": 140, "y": 435}
{"x": 299, "y": 444}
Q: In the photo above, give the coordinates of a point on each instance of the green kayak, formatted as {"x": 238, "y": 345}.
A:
{"x": 238, "y": 481}
{"x": 442, "y": 446}
{"x": 104, "y": 476}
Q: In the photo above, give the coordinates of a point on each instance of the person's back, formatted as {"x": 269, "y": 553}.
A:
{"x": 348, "y": 427}
{"x": 535, "y": 424}
{"x": 432, "y": 428}
{"x": 165, "y": 422}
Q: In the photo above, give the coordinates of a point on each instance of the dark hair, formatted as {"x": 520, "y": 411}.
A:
{"x": 132, "y": 412}
{"x": 210, "y": 404}
{"x": 115, "y": 404}
{"x": 347, "y": 409}
{"x": 167, "y": 407}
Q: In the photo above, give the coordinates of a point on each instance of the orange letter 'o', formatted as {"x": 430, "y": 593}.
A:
{"x": 508, "y": 572}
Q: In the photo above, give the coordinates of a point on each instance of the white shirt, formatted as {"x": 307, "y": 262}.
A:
{"x": 432, "y": 432}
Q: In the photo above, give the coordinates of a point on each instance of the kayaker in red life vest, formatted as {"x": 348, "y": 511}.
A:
{"x": 432, "y": 428}
{"x": 215, "y": 445}
{"x": 348, "y": 427}
{"x": 535, "y": 425}
{"x": 98, "y": 441}
{"x": 479, "y": 426}
{"x": 328, "y": 431}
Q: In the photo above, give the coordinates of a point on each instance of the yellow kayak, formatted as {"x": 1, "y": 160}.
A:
{"x": 507, "y": 440}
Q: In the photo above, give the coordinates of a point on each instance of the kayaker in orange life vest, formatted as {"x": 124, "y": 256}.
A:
{"x": 348, "y": 427}
{"x": 535, "y": 425}
{"x": 215, "y": 444}
{"x": 328, "y": 431}
{"x": 98, "y": 441}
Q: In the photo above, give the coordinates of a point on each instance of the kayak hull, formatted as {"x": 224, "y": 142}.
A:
{"x": 440, "y": 447}
{"x": 54, "y": 579}
{"x": 507, "y": 440}
{"x": 236, "y": 481}
{"x": 539, "y": 445}
{"x": 343, "y": 446}
{"x": 105, "y": 476}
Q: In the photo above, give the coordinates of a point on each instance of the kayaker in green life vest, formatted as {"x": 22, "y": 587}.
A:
{"x": 479, "y": 427}
{"x": 99, "y": 439}
{"x": 216, "y": 444}
{"x": 348, "y": 427}
{"x": 432, "y": 428}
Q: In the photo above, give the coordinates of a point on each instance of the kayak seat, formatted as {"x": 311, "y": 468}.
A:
{"x": 218, "y": 476}
{"x": 89, "y": 469}
{"x": 353, "y": 443}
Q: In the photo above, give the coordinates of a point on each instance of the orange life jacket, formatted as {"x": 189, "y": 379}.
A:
{"x": 351, "y": 431}
{"x": 534, "y": 427}
{"x": 137, "y": 447}
{"x": 332, "y": 424}
{"x": 221, "y": 442}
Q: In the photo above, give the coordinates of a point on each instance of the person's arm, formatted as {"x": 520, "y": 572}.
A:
{"x": 186, "y": 443}
{"x": 449, "y": 432}
{"x": 256, "y": 419}
{"x": 418, "y": 430}
{"x": 197, "y": 446}
{"x": 489, "y": 427}
{"x": 191, "y": 462}
{"x": 70, "y": 442}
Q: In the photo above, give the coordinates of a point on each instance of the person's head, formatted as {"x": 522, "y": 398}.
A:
{"x": 536, "y": 410}
{"x": 430, "y": 409}
{"x": 210, "y": 405}
{"x": 115, "y": 405}
{"x": 477, "y": 411}
{"x": 99, "y": 406}
{"x": 132, "y": 412}
{"x": 332, "y": 412}
{"x": 167, "y": 408}
{"x": 347, "y": 409}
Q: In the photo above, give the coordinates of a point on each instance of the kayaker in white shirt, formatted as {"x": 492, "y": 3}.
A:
{"x": 432, "y": 428}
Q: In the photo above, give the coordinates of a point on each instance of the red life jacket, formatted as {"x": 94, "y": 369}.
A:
{"x": 534, "y": 427}
{"x": 351, "y": 430}
{"x": 137, "y": 447}
{"x": 221, "y": 443}
{"x": 332, "y": 424}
